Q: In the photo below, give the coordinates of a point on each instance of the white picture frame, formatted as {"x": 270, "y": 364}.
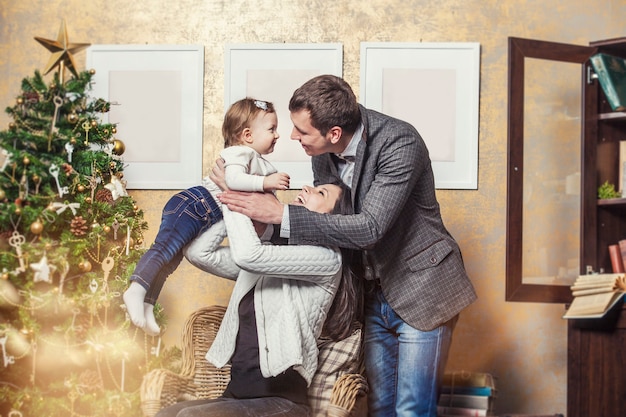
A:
{"x": 272, "y": 72}
{"x": 435, "y": 87}
{"x": 156, "y": 95}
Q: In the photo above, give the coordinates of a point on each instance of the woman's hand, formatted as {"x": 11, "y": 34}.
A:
{"x": 218, "y": 173}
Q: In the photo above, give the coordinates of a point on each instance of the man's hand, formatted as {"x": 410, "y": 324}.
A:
{"x": 217, "y": 174}
{"x": 262, "y": 207}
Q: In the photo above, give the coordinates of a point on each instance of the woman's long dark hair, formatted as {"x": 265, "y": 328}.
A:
{"x": 346, "y": 311}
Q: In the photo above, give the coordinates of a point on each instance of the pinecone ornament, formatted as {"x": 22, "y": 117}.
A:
{"x": 104, "y": 195}
{"x": 78, "y": 226}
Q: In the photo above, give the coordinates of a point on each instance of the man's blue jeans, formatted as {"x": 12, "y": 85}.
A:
{"x": 404, "y": 365}
{"x": 186, "y": 215}
{"x": 231, "y": 407}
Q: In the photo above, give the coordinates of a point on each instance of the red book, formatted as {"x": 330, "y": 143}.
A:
{"x": 616, "y": 258}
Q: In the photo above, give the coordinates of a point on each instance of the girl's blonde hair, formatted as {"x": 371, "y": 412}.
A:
{"x": 239, "y": 116}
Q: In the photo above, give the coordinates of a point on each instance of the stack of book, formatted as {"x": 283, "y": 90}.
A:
{"x": 594, "y": 295}
{"x": 467, "y": 394}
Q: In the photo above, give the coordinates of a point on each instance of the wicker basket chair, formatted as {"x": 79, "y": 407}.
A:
{"x": 199, "y": 379}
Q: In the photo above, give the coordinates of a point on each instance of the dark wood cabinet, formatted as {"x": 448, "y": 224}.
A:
{"x": 596, "y": 370}
{"x": 596, "y": 379}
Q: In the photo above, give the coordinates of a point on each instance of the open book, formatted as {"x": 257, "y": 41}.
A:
{"x": 595, "y": 294}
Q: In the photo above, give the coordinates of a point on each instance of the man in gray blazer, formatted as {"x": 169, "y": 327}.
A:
{"x": 416, "y": 280}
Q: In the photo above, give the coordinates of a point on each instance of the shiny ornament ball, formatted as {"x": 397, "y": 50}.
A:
{"x": 107, "y": 229}
{"x": 87, "y": 199}
{"x": 85, "y": 266}
{"x": 12, "y": 126}
{"x": 92, "y": 71}
{"x": 18, "y": 211}
{"x": 118, "y": 147}
{"x": 81, "y": 188}
{"x": 3, "y": 195}
{"x": 94, "y": 123}
{"x": 72, "y": 118}
{"x": 114, "y": 130}
{"x": 5, "y": 276}
{"x": 36, "y": 178}
{"x": 112, "y": 165}
{"x": 73, "y": 141}
{"x": 26, "y": 161}
{"x": 20, "y": 101}
{"x": 36, "y": 227}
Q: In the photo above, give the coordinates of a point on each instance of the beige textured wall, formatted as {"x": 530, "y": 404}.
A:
{"x": 524, "y": 345}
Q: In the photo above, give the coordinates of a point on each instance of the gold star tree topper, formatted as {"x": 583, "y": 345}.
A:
{"x": 62, "y": 51}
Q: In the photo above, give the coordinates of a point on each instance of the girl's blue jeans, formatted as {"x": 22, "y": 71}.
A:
{"x": 185, "y": 215}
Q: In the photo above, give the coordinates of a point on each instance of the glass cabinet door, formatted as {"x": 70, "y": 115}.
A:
{"x": 545, "y": 169}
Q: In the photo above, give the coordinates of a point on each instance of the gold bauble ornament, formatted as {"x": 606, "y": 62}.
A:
{"x": 36, "y": 227}
{"x": 72, "y": 118}
{"x": 12, "y": 126}
{"x": 18, "y": 211}
{"x": 107, "y": 229}
{"x": 85, "y": 266}
{"x": 5, "y": 276}
{"x": 118, "y": 147}
{"x": 112, "y": 165}
{"x": 81, "y": 188}
{"x": 20, "y": 101}
{"x": 94, "y": 123}
{"x": 92, "y": 71}
{"x": 2, "y": 194}
{"x": 73, "y": 141}
{"x": 114, "y": 130}
{"x": 26, "y": 161}
{"x": 36, "y": 178}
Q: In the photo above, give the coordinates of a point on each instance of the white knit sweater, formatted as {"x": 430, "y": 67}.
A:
{"x": 293, "y": 289}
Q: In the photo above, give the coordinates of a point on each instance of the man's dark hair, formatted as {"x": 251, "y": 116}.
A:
{"x": 330, "y": 102}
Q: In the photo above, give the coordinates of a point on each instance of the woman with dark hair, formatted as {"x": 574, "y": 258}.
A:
{"x": 285, "y": 297}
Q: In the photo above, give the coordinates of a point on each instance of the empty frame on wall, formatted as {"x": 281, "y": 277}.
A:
{"x": 435, "y": 87}
{"x": 156, "y": 95}
{"x": 272, "y": 72}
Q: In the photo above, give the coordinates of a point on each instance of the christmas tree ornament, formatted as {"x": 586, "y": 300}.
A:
{"x": 85, "y": 266}
{"x": 78, "y": 226}
{"x": 62, "y": 52}
{"x": 7, "y": 359}
{"x": 17, "y": 240}
{"x": 58, "y": 102}
{"x": 72, "y": 117}
{"x": 3, "y": 194}
{"x": 42, "y": 270}
{"x": 54, "y": 171}
{"x": 69, "y": 148}
{"x": 118, "y": 147}
{"x": 116, "y": 187}
{"x": 36, "y": 227}
{"x": 5, "y": 159}
{"x": 86, "y": 127}
{"x": 23, "y": 188}
{"x": 104, "y": 195}
{"x": 80, "y": 188}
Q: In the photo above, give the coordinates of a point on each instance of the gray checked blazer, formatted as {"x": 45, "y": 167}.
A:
{"x": 397, "y": 224}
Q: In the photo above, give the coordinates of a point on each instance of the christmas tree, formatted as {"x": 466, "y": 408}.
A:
{"x": 70, "y": 237}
